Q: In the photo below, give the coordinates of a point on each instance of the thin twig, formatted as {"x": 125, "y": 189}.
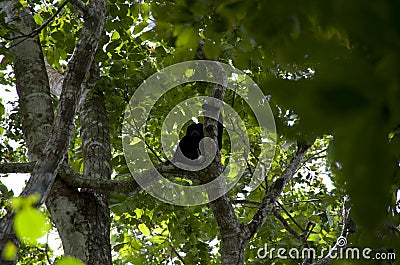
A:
{"x": 39, "y": 29}
{"x": 290, "y": 216}
{"x": 246, "y": 202}
{"x": 303, "y": 201}
{"x": 285, "y": 224}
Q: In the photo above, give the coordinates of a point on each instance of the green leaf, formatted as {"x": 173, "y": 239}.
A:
{"x": 115, "y": 35}
{"x": 157, "y": 239}
{"x": 144, "y": 11}
{"x": 20, "y": 202}
{"x": 136, "y": 244}
{"x": 24, "y": 3}
{"x": 38, "y": 19}
{"x": 144, "y": 229}
{"x": 66, "y": 260}
{"x": 30, "y": 225}
{"x": 188, "y": 38}
{"x": 189, "y": 72}
{"x": 10, "y": 251}
{"x": 139, "y": 28}
{"x": 139, "y": 213}
{"x": 314, "y": 238}
{"x": 2, "y": 109}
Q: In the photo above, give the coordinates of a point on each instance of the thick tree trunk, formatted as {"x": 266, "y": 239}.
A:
{"x": 82, "y": 219}
{"x": 95, "y": 135}
{"x": 233, "y": 235}
{"x": 34, "y": 95}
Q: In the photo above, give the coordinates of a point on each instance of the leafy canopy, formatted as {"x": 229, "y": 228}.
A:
{"x": 329, "y": 70}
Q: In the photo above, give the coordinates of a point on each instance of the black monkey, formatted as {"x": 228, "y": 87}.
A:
{"x": 190, "y": 144}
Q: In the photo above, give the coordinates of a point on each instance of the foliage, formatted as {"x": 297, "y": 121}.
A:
{"x": 329, "y": 70}
{"x": 30, "y": 225}
{"x": 69, "y": 261}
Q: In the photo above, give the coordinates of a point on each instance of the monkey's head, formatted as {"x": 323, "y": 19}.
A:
{"x": 195, "y": 130}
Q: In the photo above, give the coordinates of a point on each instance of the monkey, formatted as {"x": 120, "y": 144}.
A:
{"x": 189, "y": 146}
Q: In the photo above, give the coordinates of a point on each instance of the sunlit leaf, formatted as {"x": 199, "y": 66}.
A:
{"x": 66, "y": 260}
{"x": 10, "y": 251}
{"x": 144, "y": 229}
{"x": 157, "y": 239}
{"x": 30, "y": 224}
{"x": 136, "y": 244}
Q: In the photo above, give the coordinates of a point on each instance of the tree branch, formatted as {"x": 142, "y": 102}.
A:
{"x": 275, "y": 190}
{"x": 290, "y": 216}
{"x": 345, "y": 215}
{"x": 45, "y": 170}
{"x": 285, "y": 224}
{"x": 301, "y": 237}
{"x": 256, "y": 203}
{"x": 33, "y": 95}
{"x": 76, "y": 72}
{"x": 233, "y": 232}
{"x": 126, "y": 187}
{"x": 6, "y": 168}
{"x": 36, "y": 31}
{"x": 92, "y": 182}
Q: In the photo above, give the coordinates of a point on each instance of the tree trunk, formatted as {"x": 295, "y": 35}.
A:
{"x": 233, "y": 232}
{"x": 82, "y": 219}
{"x": 34, "y": 94}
